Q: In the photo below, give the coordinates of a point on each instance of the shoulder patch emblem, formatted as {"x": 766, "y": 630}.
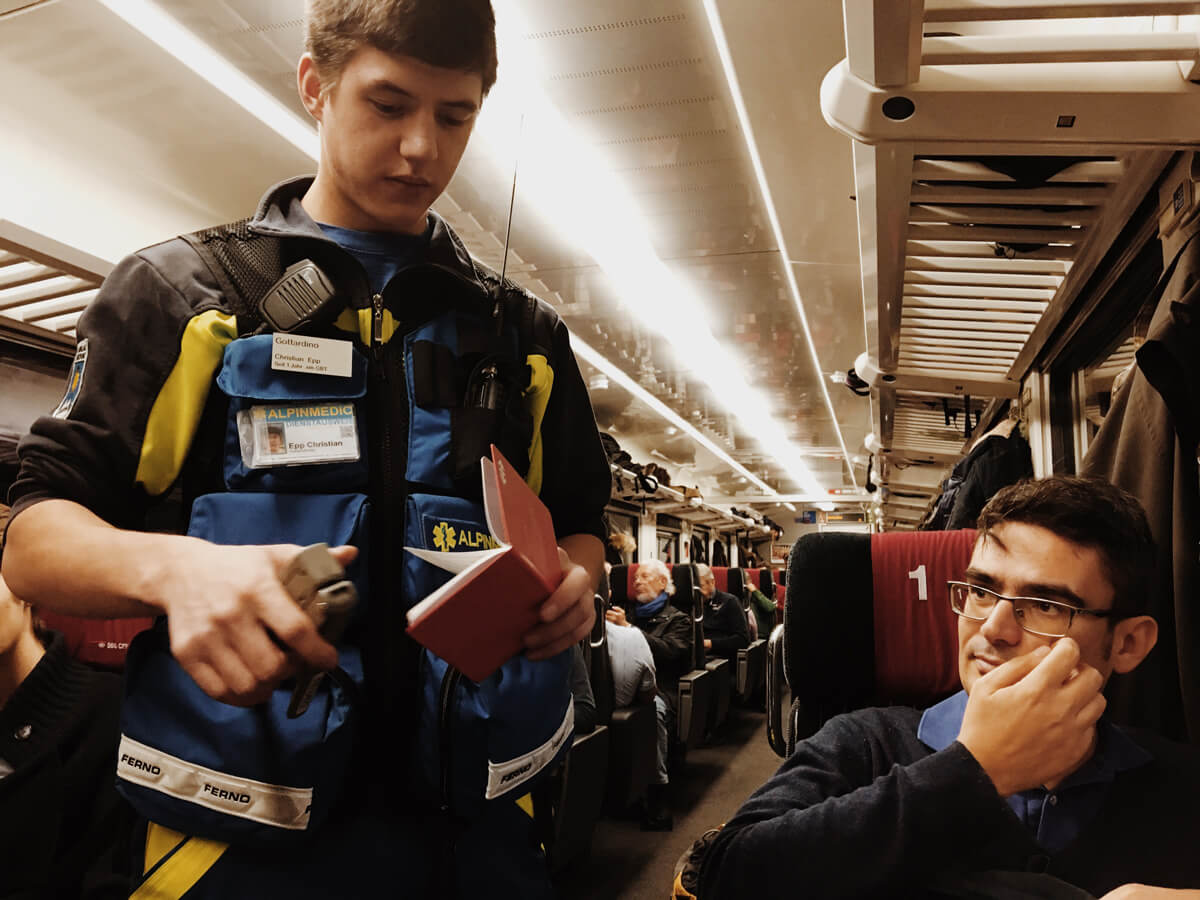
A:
{"x": 74, "y": 382}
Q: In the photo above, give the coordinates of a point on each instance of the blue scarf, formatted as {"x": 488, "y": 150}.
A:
{"x": 651, "y": 609}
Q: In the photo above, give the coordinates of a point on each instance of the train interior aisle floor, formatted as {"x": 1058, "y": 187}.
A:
{"x": 631, "y": 864}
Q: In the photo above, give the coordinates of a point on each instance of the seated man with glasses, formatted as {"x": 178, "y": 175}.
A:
{"x": 1016, "y": 786}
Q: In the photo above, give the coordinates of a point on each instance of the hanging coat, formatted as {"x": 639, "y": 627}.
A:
{"x": 1147, "y": 446}
{"x": 995, "y": 462}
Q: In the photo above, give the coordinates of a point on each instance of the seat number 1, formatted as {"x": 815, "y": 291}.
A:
{"x": 918, "y": 575}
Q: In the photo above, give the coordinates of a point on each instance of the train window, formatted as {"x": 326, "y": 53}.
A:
{"x": 668, "y": 546}
{"x": 626, "y": 525}
{"x": 1097, "y": 343}
{"x": 1101, "y": 380}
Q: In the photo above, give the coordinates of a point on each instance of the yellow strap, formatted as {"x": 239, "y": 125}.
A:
{"x": 362, "y": 323}
{"x": 526, "y": 804}
{"x": 177, "y": 408}
{"x": 537, "y": 396}
{"x": 179, "y": 874}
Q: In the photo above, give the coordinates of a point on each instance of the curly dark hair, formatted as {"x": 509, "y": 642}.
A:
{"x": 1092, "y": 513}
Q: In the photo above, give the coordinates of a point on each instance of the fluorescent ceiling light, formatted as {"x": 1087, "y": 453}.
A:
{"x": 591, "y": 355}
{"x": 571, "y": 189}
{"x": 718, "y": 32}
{"x": 568, "y": 185}
{"x": 162, "y": 29}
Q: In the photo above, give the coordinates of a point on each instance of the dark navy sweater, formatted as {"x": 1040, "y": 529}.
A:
{"x": 865, "y": 809}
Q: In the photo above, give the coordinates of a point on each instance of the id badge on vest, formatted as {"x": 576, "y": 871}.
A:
{"x": 298, "y": 434}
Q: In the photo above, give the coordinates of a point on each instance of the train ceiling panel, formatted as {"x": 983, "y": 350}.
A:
{"x": 999, "y": 147}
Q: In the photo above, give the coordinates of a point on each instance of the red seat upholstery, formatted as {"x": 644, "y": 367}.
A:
{"x": 868, "y": 622}
{"x": 721, "y": 577}
{"x": 98, "y": 642}
{"x": 916, "y": 633}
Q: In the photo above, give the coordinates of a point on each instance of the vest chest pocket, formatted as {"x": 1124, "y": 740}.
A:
{"x": 291, "y": 430}
{"x": 466, "y": 392}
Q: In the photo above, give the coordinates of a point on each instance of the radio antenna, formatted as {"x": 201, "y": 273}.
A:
{"x": 498, "y": 307}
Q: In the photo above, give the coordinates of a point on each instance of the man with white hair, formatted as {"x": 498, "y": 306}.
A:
{"x": 668, "y": 631}
{"x": 726, "y": 629}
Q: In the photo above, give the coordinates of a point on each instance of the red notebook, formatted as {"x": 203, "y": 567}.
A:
{"x": 477, "y": 619}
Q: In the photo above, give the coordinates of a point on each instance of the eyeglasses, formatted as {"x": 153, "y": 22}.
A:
{"x": 1047, "y": 618}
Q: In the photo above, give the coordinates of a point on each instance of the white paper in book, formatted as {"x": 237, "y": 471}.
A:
{"x": 462, "y": 564}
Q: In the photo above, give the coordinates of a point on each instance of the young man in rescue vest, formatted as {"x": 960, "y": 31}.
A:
{"x": 1016, "y": 786}
{"x": 395, "y": 87}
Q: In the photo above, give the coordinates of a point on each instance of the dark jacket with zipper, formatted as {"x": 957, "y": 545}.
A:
{"x": 65, "y": 831}
{"x": 725, "y": 624}
{"x": 864, "y": 808}
{"x": 156, "y": 332}
{"x": 669, "y": 635}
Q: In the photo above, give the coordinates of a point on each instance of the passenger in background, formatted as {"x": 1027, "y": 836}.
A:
{"x": 725, "y": 628}
{"x": 632, "y": 661}
{"x": 668, "y": 631}
{"x": 581, "y": 692}
{"x": 763, "y": 608}
{"x": 634, "y": 679}
{"x": 1015, "y": 786}
{"x": 64, "y": 831}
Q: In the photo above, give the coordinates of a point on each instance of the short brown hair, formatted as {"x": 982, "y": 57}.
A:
{"x": 1092, "y": 513}
{"x": 450, "y": 34}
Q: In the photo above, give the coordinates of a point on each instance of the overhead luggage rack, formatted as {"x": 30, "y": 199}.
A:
{"x": 1000, "y": 147}
{"x": 44, "y": 285}
{"x": 668, "y": 500}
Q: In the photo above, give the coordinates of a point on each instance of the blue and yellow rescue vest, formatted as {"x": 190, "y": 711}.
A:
{"x": 237, "y": 796}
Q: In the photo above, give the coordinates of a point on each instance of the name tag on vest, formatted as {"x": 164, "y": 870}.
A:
{"x": 292, "y": 434}
{"x": 314, "y": 356}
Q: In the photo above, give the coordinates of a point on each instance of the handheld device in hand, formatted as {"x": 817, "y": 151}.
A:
{"x": 317, "y": 582}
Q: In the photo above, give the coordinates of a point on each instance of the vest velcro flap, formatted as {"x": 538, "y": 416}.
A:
{"x": 297, "y": 406}
{"x": 264, "y": 518}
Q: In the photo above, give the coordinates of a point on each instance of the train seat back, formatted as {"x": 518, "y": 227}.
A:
{"x": 600, "y": 669}
{"x": 632, "y": 730}
{"x": 867, "y": 622}
{"x": 101, "y": 643}
{"x": 751, "y": 662}
{"x": 575, "y": 794}
{"x": 742, "y": 582}
{"x": 721, "y": 670}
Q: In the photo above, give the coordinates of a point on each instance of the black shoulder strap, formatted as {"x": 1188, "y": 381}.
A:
{"x": 244, "y": 264}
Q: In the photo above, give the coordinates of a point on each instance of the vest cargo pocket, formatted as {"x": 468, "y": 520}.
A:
{"x": 245, "y": 775}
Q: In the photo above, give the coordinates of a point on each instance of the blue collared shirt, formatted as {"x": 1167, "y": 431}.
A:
{"x": 1054, "y": 817}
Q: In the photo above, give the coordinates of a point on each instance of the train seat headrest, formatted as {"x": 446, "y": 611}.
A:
{"x": 867, "y": 617}
{"x": 721, "y": 577}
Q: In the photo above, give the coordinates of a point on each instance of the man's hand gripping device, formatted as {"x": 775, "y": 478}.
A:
{"x": 317, "y": 582}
